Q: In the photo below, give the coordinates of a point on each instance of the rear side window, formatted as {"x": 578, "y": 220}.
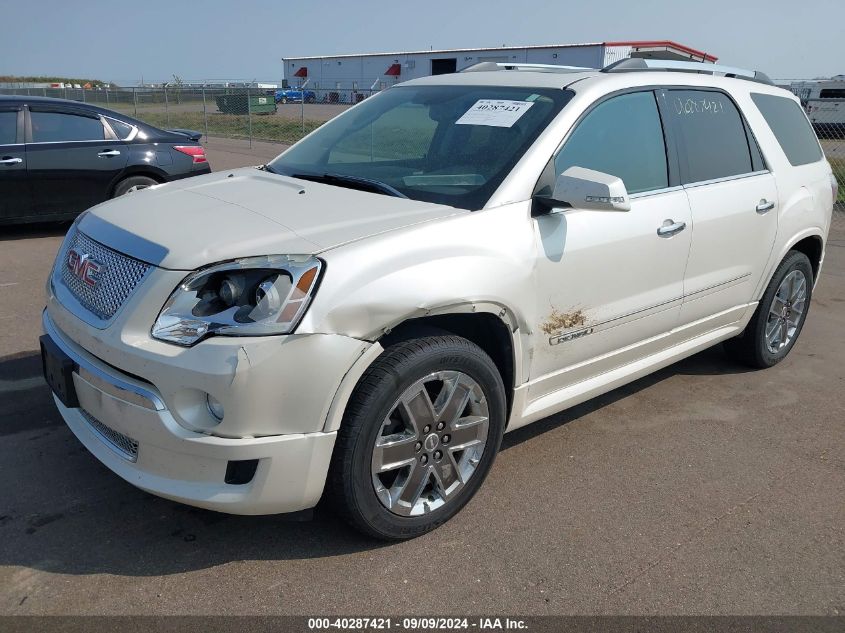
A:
{"x": 790, "y": 127}
{"x": 122, "y": 130}
{"x": 57, "y": 127}
{"x": 712, "y": 134}
{"x": 8, "y": 127}
{"x": 622, "y": 137}
{"x": 831, "y": 93}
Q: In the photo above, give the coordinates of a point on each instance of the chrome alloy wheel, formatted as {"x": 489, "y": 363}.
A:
{"x": 135, "y": 188}
{"x": 787, "y": 310}
{"x": 430, "y": 443}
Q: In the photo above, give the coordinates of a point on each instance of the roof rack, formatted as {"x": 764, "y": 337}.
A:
{"x": 634, "y": 64}
{"x": 543, "y": 68}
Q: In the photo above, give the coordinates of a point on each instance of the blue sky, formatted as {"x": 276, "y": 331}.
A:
{"x": 121, "y": 41}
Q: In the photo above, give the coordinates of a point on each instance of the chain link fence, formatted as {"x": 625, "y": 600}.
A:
{"x": 832, "y": 137}
{"x": 283, "y": 115}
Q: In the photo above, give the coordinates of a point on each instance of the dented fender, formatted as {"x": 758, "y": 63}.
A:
{"x": 476, "y": 262}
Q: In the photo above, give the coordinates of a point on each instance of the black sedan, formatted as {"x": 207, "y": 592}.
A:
{"x": 58, "y": 157}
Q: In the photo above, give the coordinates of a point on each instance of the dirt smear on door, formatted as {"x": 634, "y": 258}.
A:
{"x": 558, "y": 320}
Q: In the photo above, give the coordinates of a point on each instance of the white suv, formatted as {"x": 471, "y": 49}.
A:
{"x": 456, "y": 257}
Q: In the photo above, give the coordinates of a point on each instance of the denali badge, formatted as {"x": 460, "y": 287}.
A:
{"x": 571, "y": 336}
{"x": 84, "y": 267}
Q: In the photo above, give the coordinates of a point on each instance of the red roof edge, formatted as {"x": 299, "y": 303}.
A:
{"x": 668, "y": 44}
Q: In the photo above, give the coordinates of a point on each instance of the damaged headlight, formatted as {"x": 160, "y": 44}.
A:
{"x": 256, "y": 296}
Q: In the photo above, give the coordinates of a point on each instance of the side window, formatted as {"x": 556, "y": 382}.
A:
{"x": 790, "y": 127}
{"x": 622, "y": 137}
{"x": 57, "y": 127}
{"x": 122, "y": 130}
{"x": 8, "y": 127}
{"x": 712, "y": 134}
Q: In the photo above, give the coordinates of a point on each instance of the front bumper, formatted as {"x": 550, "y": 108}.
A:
{"x": 290, "y": 475}
{"x": 147, "y": 402}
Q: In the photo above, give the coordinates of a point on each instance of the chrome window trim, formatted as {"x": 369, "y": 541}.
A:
{"x": 654, "y": 192}
{"x": 100, "y": 379}
{"x": 713, "y": 181}
{"x": 634, "y": 196}
{"x": 105, "y": 140}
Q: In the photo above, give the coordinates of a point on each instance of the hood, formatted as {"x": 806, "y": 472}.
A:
{"x": 190, "y": 223}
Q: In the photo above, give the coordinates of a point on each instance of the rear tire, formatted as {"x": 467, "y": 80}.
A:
{"x": 418, "y": 437}
{"x": 780, "y": 316}
{"x": 133, "y": 183}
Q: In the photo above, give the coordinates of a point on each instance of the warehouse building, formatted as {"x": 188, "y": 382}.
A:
{"x": 376, "y": 71}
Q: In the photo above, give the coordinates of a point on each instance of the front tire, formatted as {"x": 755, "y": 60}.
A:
{"x": 779, "y": 318}
{"x": 419, "y": 436}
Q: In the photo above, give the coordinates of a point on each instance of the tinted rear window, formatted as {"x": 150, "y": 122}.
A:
{"x": 57, "y": 127}
{"x": 713, "y": 135}
{"x": 791, "y": 128}
{"x": 8, "y": 127}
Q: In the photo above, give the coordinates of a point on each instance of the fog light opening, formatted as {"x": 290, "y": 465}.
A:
{"x": 215, "y": 407}
{"x": 240, "y": 472}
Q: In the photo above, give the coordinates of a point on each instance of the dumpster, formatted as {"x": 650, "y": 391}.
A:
{"x": 237, "y": 104}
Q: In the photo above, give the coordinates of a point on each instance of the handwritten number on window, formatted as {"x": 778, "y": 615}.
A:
{"x": 691, "y": 106}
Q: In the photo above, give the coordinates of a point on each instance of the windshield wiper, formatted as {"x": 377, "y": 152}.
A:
{"x": 353, "y": 182}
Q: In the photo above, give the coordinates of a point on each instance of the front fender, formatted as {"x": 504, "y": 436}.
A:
{"x": 469, "y": 262}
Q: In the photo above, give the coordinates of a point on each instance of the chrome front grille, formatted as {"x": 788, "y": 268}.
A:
{"x": 116, "y": 282}
{"x": 122, "y": 444}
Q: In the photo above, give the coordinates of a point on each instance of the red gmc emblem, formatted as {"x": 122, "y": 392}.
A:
{"x": 84, "y": 267}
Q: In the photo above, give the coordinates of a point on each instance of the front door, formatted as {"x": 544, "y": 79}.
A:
{"x": 72, "y": 160}
{"x": 15, "y": 201}
{"x": 610, "y": 283}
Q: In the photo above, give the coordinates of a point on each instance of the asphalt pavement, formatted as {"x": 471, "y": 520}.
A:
{"x": 702, "y": 489}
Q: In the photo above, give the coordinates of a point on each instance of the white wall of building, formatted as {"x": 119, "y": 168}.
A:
{"x": 360, "y": 72}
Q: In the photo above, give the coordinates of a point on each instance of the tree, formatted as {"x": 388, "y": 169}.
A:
{"x": 178, "y": 83}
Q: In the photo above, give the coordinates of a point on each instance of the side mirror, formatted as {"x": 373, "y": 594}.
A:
{"x": 584, "y": 188}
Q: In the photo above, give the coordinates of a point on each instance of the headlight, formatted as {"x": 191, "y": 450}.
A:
{"x": 256, "y": 296}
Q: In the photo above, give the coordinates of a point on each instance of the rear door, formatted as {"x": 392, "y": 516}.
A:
{"x": 733, "y": 201}
{"x": 15, "y": 201}
{"x": 73, "y": 159}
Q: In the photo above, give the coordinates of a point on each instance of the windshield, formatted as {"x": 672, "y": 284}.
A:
{"x": 446, "y": 144}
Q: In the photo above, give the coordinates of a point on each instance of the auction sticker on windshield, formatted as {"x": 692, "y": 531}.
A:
{"x": 494, "y": 112}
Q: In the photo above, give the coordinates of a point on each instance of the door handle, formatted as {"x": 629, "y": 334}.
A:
{"x": 765, "y": 206}
{"x": 10, "y": 161}
{"x": 108, "y": 153}
{"x": 670, "y": 228}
